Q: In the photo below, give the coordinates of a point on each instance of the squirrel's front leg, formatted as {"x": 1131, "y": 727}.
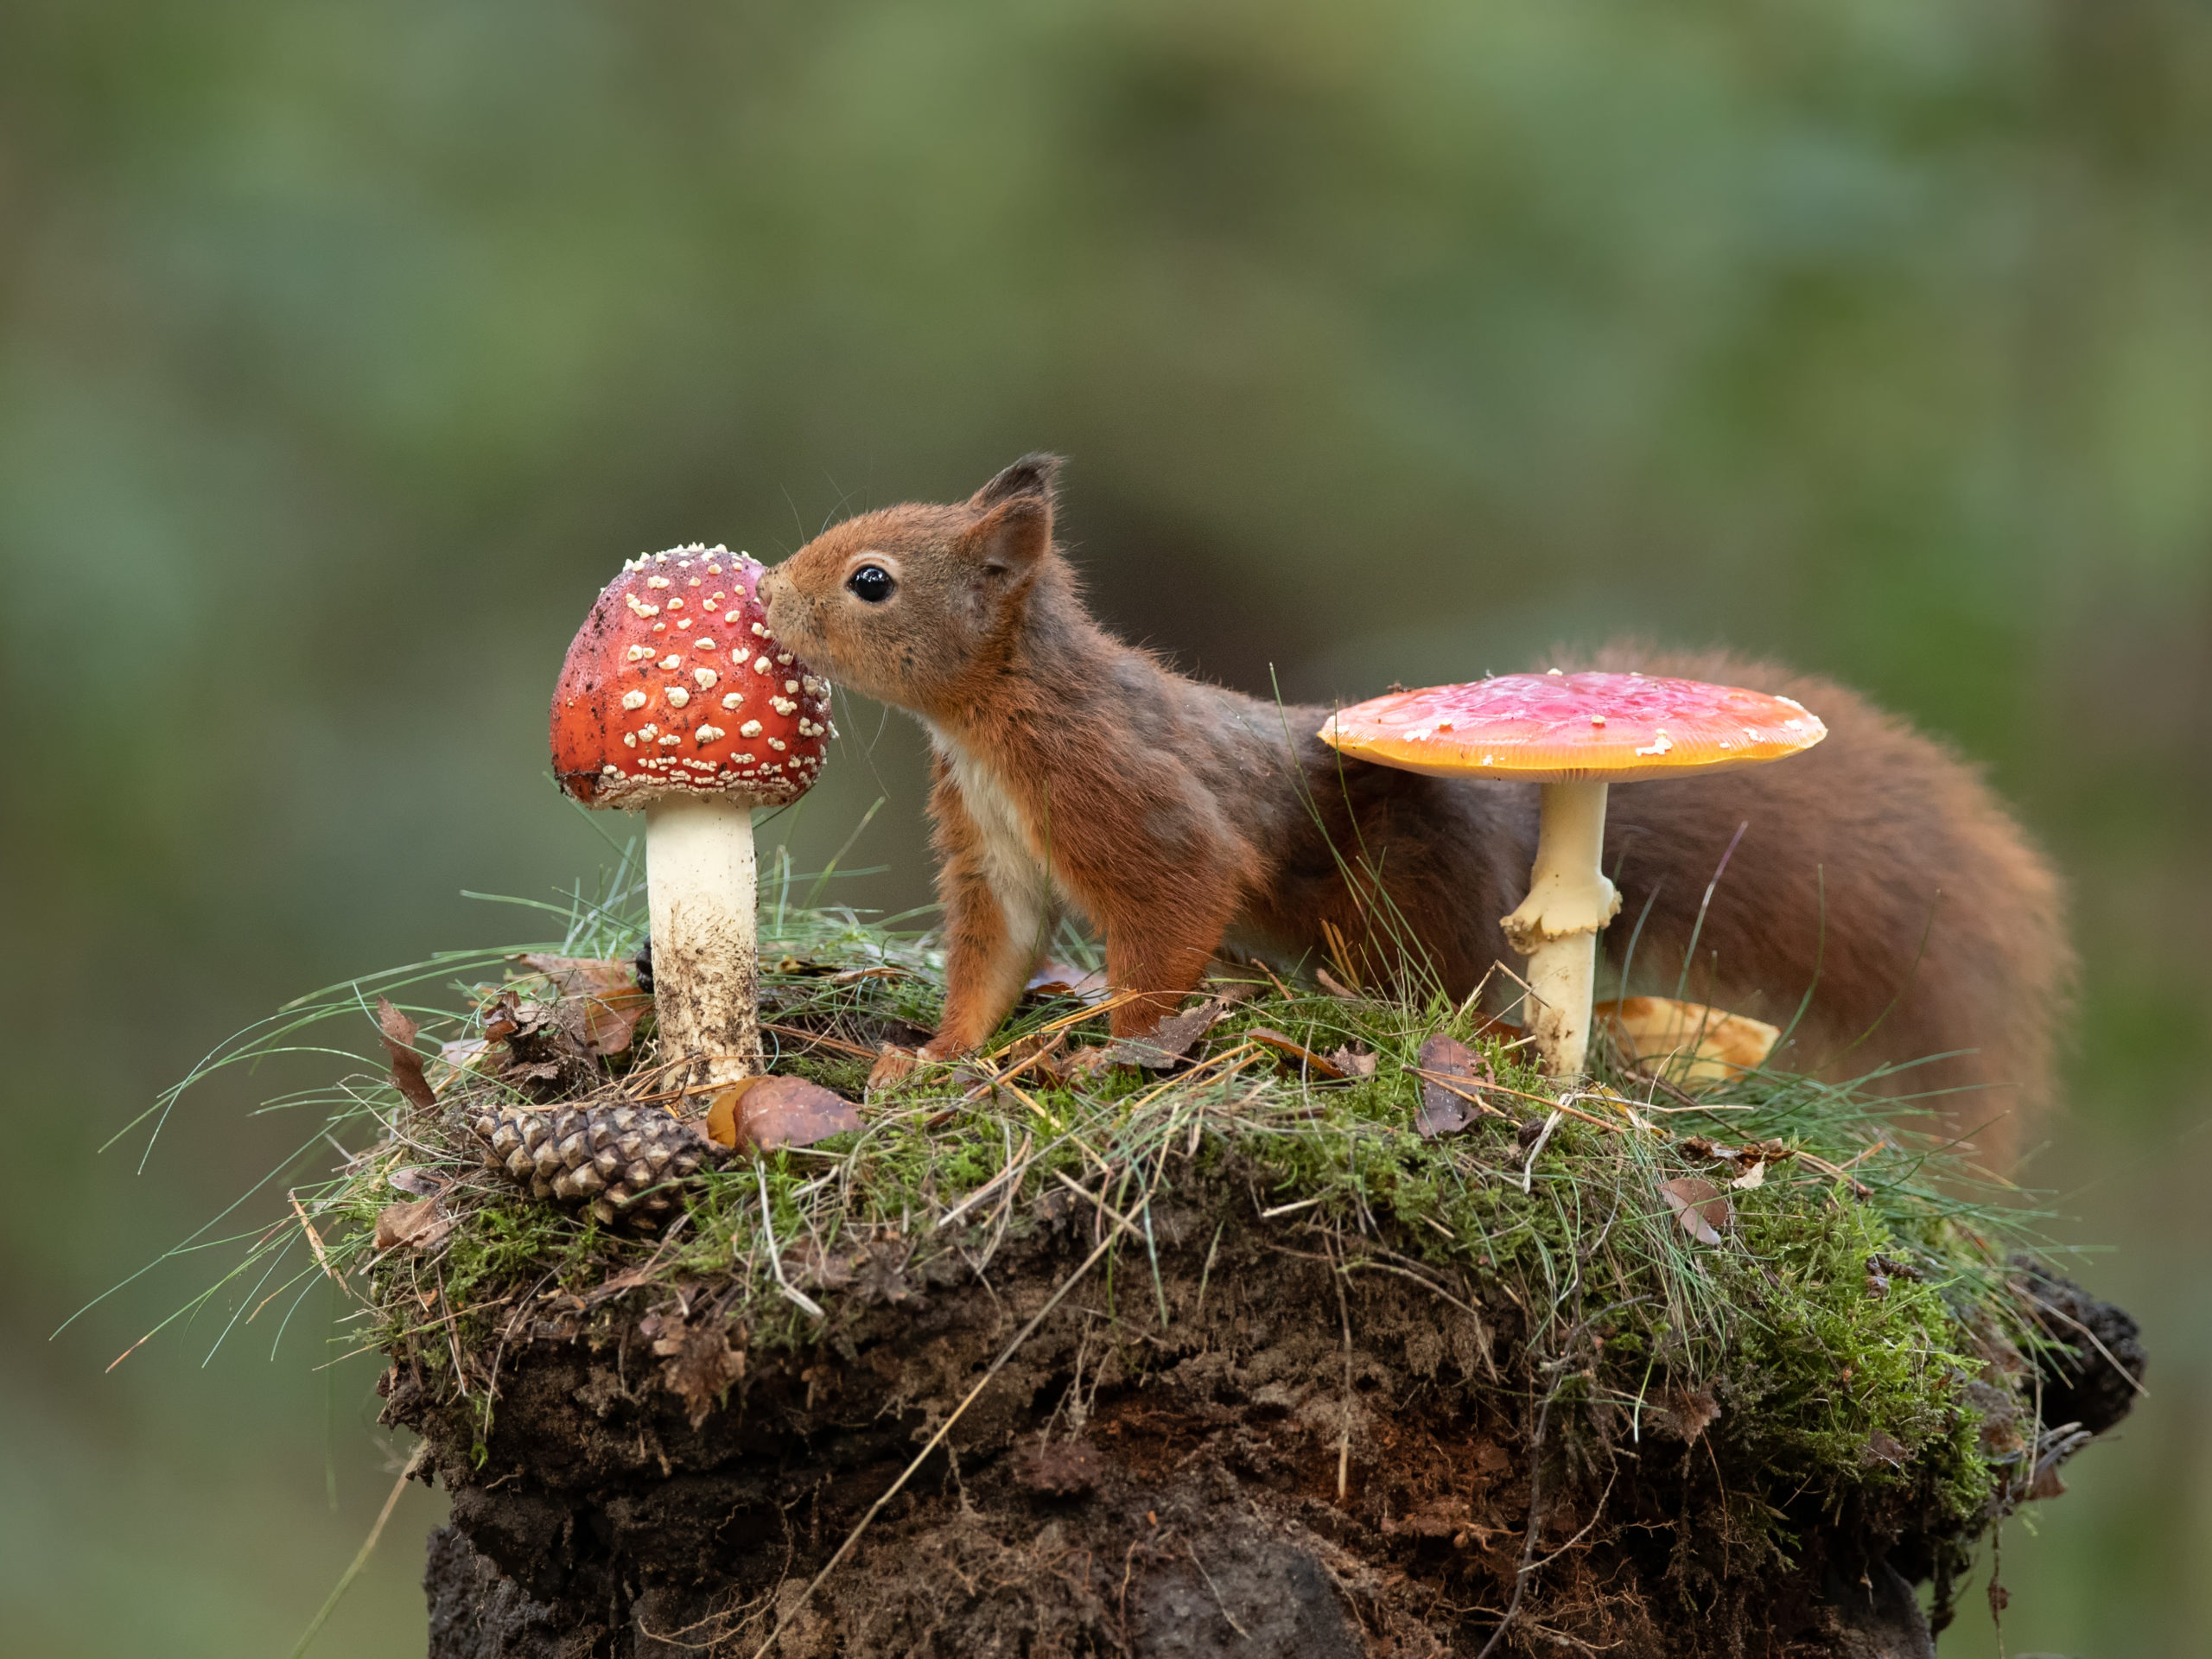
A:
{"x": 988, "y": 952}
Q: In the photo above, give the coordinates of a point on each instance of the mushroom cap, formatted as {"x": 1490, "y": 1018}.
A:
{"x": 1559, "y": 728}
{"x": 674, "y": 686}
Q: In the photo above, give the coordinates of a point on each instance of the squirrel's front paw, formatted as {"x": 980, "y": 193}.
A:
{"x": 893, "y": 1066}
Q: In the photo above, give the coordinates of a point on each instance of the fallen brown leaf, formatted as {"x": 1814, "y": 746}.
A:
{"x": 1882, "y": 1446}
{"x": 1084, "y": 1061}
{"x": 1701, "y": 1207}
{"x": 1163, "y": 1046}
{"x": 504, "y": 1015}
{"x": 697, "y": 1363}
{"x": 610, "y": 1002}
{"x": 756, "y": 1113}
{"x": 418, "y": 1226}
{"x": 1353, "y": 1062}
{"x": 397, "y": 1031}
{"x": 422, "y": 1183}
{"x": 1686, "y": 1043}
{"x": 1063, "y": 979}
{"x": 1445, "y": 1062}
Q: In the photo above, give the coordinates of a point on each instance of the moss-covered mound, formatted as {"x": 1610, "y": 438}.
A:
{"x": 1633, "y": 1372}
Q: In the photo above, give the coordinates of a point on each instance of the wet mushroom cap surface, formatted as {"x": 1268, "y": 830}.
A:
{"x": 1572, "y": 728}
{"x": 674, "y": 686}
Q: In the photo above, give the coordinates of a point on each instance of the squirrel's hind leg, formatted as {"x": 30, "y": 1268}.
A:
{"x": 1159, "y": 953}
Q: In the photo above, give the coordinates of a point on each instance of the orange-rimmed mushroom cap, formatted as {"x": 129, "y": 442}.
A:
{"x": 674, "y": 686}
{"x": 1558, "y": 728}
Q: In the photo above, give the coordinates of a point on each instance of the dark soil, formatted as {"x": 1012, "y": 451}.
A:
{"x": 655, "y": 1485}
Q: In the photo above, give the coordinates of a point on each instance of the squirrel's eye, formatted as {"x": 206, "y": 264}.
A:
{"x": 871, "y": 582}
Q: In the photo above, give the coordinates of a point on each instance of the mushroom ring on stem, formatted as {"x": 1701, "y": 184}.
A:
{"x": 676, "y": 698}
{"x": 1573, "y": 735}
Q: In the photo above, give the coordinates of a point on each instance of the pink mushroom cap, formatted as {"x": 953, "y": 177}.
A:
{"x": 1573, "y": 727}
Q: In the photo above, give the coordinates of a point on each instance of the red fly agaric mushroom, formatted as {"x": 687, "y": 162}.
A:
{"x": 676, "y": 698}
{"x": 1574, "y": 733}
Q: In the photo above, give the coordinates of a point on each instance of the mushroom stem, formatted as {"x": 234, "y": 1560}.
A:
{"x": 1556, "y": 926}
{"x": 699, "y": 887}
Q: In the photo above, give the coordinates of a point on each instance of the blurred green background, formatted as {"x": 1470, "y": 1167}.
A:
{"x": 345, "y": 350}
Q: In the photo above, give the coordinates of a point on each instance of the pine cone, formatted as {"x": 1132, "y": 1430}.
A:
{"x": 623, "y": 1161}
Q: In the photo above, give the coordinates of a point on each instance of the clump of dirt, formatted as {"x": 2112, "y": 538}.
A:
{"x": 1247, "y": 1448}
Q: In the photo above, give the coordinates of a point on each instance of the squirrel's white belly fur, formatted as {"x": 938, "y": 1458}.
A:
{"x": 1014, "y": 864}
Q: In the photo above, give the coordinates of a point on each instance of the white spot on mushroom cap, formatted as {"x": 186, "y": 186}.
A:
{"x": 660, "y": 627}
{"x": 790, "y": 687}
{"x": 633, "y": 699}
{"x": 669, "y": 738}
{"x": 760, "y": 665}
{"x": 707, "y": 734}
{"x": 675, "y": 604}
{"x": 751, "y": 728}
{"x": 683, "y": 622}
{"x": 677, "y": 697}
{"x": 706, "y": 677}
{"x": 671, "y": 662}
{"x": 734, "y": 700}
{"x": 1659, "y": 745}
{"x": 636, "y": 651}
{"x": 657, "y": 581}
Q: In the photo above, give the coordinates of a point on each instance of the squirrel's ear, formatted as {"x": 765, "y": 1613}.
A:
{"x": 1012, "y": 535}
{"x": 1031, "y": 476}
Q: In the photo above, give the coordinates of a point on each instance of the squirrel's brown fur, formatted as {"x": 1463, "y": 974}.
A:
{"x": 1072, "y": 769}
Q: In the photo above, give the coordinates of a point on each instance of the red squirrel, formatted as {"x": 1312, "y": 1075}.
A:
{"x": 1072, "y": 770}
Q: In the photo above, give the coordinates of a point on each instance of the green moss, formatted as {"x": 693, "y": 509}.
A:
{"x": 1825, "y": 1384}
